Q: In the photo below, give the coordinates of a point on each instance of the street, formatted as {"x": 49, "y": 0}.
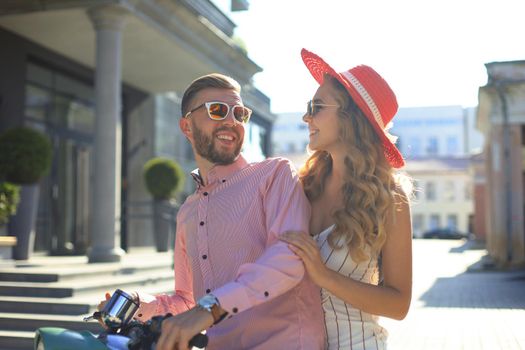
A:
{"x": 455, "y": 309}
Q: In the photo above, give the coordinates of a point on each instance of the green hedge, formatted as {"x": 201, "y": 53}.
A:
{"x": 163, "y": 177}
{"x": 25, "y": 155}
{"x": 9, "y": 198}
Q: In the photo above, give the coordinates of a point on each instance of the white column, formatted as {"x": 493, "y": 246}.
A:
{"x": 108, "y": 22}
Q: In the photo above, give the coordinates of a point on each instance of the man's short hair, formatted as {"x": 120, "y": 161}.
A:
{"x": 214, "y": 80}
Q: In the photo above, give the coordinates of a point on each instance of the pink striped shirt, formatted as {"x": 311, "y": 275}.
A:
{"x": 227, "y": 244}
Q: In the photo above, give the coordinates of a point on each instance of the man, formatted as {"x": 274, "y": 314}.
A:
{"x": 250, "y": 288}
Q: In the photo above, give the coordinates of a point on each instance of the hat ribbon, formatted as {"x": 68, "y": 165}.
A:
{"x": 366, "y": 97}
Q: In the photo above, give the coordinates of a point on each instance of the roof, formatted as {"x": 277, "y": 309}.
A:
{"x": 165, "y": 44}
{"x": 437, "y": 164}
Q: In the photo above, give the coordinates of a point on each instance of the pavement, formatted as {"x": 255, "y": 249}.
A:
{"x": 459, "y": 304}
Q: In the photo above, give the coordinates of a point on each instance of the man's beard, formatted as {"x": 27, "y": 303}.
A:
{"x": 206, "y": 148}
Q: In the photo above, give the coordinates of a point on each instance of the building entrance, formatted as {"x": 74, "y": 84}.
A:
{"x": 63, "y": 108}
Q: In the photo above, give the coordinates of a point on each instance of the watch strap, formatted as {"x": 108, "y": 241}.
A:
{"x": 211, "y": 304}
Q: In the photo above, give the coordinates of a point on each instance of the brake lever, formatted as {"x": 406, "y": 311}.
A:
{"x": 96, "y": 316}
{"x": 199, "y": 340}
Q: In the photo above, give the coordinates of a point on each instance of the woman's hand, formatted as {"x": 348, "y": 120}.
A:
{"x": 306, "y": 248}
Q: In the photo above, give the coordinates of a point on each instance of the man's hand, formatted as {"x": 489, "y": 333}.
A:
{"x": 103, "y": 303}
{"x": 178, "y": 330}
{"x": 100, "y": 307}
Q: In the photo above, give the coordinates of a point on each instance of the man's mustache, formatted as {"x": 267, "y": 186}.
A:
{"x": 226, "y": 128}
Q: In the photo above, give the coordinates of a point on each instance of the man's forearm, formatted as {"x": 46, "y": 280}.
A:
{"x": 162, "y": 304}
{"x": 277, "y": 271}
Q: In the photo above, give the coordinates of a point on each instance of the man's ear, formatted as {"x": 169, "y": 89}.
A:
{"x": 185, "y": 127}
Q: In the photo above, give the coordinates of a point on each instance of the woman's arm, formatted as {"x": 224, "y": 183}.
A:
{"x": 392, "y": 298}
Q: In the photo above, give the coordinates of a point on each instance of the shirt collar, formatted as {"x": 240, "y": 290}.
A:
{"x": 220, "y": 172}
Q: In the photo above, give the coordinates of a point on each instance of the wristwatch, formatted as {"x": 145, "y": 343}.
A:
{"x": 211, "y": 304}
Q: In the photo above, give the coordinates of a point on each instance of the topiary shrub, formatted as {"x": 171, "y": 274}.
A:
{"x": 163, "y": 177}
{"x": 25, "y": 155}
{"x": 9, "y": 198}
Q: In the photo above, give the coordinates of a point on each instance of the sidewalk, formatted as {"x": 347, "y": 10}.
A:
{"x": 455, "y": 309}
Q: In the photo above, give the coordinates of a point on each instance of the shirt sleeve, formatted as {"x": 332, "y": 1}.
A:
{"x": 183, "y": 299}
{"x": 278, "y": 270}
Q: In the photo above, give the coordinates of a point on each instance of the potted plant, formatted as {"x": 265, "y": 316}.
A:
{"x": 9, "y": 198}
{"x": 164, "y": 178}
{"x": 25, "y": 157}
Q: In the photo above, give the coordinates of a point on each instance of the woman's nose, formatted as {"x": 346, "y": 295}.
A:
{"x": 307, "y": 117}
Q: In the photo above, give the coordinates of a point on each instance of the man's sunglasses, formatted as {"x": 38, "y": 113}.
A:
{"x": 313, "y": 108}
{"x": 220, "y": 110}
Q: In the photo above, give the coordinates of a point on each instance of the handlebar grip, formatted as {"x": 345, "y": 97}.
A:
{"x": 199, "y": 341}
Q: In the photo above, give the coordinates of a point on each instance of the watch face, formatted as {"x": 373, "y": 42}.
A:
{"x": 207, "y": 301}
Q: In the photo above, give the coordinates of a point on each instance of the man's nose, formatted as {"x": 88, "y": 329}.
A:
{"x": 230, "y": 118}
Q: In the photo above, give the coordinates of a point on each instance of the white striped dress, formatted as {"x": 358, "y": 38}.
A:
{"x": 346, "y": 326}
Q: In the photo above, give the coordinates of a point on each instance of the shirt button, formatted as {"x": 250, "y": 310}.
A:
{"x": 201, "y": 223}
{"x": 235, "y": 310}
{"x": 205, "y": 257}
{"x": 205, "y": 193}
{"x": 223, "y": 180}
{"x": 266, "y": 294}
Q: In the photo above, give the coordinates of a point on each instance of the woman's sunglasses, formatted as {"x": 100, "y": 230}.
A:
{"x": 220, "y": 110}
{"x": 313, "y": 108}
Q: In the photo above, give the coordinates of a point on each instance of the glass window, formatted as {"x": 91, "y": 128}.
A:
{"x": 417, "y": 189}
{"x": 73, "y": 88}
{"x": 430, "y": 191}
{"x": 58, "y": 101}
{"x": 452, "y": 145}
{"x": 39, "y": 75}
{"x": 432, "y": 146}
{"x": 449, "y": 192}
{"x": 434, "y": 221}
{"x": 418, "y": 225}
{"x": 452, "y": 221}
{"x": 38, "y": 103}
{"x": 414, "y": 146}
{"x": 400, "y": 144}
{"x": 81, "y": 117}
{"x": 166, "y": 127}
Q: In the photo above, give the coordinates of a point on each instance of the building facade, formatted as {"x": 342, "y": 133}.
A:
{"x": 103, "y": 80}
{"x": 501, "y": 118}
{"x": 434, "y": 132}
{"x": 443, "y": 194}
{"x": 438, "y": 143}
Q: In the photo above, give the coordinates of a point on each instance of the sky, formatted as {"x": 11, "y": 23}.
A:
{"x": 432, "y": 53}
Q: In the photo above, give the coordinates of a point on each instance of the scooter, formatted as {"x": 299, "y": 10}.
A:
{"x": 121, "y": 332}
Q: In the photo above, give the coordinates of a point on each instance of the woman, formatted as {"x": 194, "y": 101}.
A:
{"x": 359, "y": 248}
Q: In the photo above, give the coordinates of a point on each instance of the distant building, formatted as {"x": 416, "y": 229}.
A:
{"x": 446, "y": 131}
{"x": 290, "y": 137}
{"x": 437, "y": 143}
{"x": 443, "y": 194}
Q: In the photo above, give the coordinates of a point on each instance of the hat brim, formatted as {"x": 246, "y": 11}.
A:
{"x": 318, "y": 68}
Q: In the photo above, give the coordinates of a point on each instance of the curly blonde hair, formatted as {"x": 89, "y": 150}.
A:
{"x": 370, "y": 183}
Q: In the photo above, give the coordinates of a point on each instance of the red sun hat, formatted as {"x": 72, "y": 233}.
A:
{"x": 370, "y": 92}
